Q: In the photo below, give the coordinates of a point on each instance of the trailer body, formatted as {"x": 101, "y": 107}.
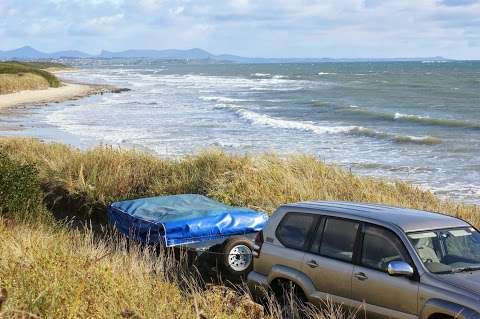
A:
{"x": 182, "y": 219}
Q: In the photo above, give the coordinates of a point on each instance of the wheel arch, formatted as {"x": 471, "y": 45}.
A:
{"x": 440, "y": 316}
{"x": 281, "y": 273}
{"x": 442, "y": 309}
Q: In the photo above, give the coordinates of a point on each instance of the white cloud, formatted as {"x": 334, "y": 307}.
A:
{"x": 150, "y": 4}
{"x": 250, "y": 27}
{"x": 176, "y": 11}
{"x": 97, "y": 25}
{"x": 240, "y": 6}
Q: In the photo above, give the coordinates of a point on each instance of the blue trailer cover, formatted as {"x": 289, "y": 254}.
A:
{"x": 182, "y": 219}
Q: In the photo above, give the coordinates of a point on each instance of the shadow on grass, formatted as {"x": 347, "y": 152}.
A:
{"x": 79, "y": 210}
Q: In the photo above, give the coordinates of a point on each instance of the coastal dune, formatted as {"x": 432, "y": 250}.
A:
{"x": 23, "y": 83}
{"x": 68, "y": 91}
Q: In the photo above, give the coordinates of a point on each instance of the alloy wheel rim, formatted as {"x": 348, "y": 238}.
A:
{"x": 239, "y": 257}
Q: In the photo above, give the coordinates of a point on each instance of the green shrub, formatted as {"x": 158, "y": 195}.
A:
{"x": 20, "y": 193}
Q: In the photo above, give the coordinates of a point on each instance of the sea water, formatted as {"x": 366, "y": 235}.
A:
{"x": 411, "y": 121}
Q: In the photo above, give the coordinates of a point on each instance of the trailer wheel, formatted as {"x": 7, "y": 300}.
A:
{"x": 238, "y": 258}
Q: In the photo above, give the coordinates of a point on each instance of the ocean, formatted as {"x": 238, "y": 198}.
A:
{"x": 412, "y": 121}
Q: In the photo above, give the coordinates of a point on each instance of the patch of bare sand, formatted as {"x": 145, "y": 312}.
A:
{"x": 68, "y": 91}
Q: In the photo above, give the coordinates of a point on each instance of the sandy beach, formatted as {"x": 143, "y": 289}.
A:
{"x": 68, "y": 91}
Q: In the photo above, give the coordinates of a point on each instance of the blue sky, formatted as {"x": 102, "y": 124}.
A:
{"x": 267, "y": 28}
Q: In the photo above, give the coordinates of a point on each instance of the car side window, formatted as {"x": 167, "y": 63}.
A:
{"x": 380, "y": 247}
{"x": 294, "y": 228}
{"x": 338, "y": 239}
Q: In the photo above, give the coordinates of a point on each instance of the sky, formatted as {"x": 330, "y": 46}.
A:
{"x": 254, "y": 28}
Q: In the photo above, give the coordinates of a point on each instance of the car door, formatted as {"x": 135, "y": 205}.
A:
{"x": 328, "y": 262}
{"x": 383, "y": 295}
{"x": 292, "y": 232}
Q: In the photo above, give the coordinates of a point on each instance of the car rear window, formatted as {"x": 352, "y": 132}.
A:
{"x": 338, "y": 239}
{"x": 294, "y": 228}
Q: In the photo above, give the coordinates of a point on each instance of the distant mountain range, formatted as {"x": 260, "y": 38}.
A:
{"x": 29, "y": 53}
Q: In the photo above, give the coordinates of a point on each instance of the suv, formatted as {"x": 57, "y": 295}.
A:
{"x": 394, "y": 262}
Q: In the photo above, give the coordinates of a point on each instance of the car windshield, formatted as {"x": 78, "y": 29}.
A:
{"x": 448, "y": 250}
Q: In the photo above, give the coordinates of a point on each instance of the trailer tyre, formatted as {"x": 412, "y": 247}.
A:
{"x": 237, "y": 257}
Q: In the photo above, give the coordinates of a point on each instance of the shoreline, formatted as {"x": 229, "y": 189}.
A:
{"x": 68, "y": 91}
{"x": 129, "y": 121}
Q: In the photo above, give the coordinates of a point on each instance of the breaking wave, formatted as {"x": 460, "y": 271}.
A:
{"x": 221, "y": 99}
{"x": 397, "y": 138}
{"x": 267, "y": 76}
{"x": 266, "y": 120}
{"x": 285, "y": 89}
{"x": 436, "y": 121}
{"x": 261, "y": 75}
{"x": 413, "y": 118}
{"x": 425, "y": 140}
{"x": 263, "y": 119}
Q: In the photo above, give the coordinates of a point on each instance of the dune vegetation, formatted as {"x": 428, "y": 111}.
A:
{"x": 10, "y": 83}
{"x": 50, "y": 269}
{"x": 16, "y": 76}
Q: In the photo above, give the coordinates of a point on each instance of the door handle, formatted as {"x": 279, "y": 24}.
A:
{"x": 360, "y": 276}
{"x": 312, "y": 264}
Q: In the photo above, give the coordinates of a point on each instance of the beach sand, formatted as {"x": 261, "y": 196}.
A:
{"x": 68, "y": 91}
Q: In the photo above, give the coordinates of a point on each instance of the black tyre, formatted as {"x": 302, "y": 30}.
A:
{"x": 237, "y": 258}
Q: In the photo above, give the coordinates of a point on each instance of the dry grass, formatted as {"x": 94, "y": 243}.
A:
{"x": 52, "y": 272}
{"x": 59, "y": 273}
{"x": 10, "y": 83}
{"x": 17, "y": 76}
{"x": 106, "y": 174}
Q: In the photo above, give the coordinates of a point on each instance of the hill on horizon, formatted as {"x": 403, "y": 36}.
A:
{"x": 30, "y": 53}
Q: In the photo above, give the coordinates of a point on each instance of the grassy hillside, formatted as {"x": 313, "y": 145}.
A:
{"x": 40, "y": 64}
{"x": 91, "y": 179}
{"x": 52, "y": 271}
{"x": 17, "y": 76}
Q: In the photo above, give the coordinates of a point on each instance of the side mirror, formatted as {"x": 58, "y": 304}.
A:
{"x": 399, "y": 268}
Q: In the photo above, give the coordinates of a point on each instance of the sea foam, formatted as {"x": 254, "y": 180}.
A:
{"x": 260, "y": 75}
{"x": 263, "y": 119}
{"x": 222, "y": 99}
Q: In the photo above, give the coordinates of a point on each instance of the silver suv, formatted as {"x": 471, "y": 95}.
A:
{"x": 395, "y": 262}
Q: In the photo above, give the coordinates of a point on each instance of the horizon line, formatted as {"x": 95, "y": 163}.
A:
{"x": 95, "y": 55}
